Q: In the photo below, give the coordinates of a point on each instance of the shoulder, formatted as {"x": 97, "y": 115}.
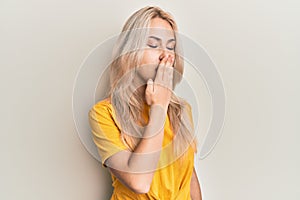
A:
{"x": 101, "y": 105}
{"x": 103, "y": 113}
{"x": 102, "y": 108}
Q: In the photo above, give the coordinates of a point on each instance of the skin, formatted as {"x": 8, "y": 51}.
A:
{"x": 160, "y": 44}
{"x": 124, "y": 165}
{"x": 158, "y": 60}
{"x": 195, "y": 187}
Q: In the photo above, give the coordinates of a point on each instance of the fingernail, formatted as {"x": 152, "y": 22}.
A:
{"x": 150, "y": 81}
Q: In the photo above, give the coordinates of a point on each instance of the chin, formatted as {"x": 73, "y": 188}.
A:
{"x": 147, "y": 74}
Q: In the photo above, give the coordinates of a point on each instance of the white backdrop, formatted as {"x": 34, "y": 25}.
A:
{"x": 255, "y": 45}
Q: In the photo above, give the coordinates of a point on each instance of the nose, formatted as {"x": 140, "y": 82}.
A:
{"x": 165, "y": 54}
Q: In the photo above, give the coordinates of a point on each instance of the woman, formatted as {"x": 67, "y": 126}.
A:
{"x": 143, "y": 131}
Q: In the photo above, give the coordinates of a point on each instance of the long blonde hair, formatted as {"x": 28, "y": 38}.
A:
{"x": 127, "y": 55}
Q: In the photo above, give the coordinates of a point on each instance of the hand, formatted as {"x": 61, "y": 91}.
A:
{"x": 160, "y": 91}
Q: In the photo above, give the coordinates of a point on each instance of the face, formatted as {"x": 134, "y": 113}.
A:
{"x": 160, "y": 43}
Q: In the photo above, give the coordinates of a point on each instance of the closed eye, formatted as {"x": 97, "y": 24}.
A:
{"x": 152, "y": 46}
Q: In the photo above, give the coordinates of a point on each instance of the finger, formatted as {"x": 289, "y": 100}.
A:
{"x": 168, "y": 74}
{"x": 160, "y": 70}
{"x": 170, "y": 61}
{"x": 168, "y": 77}
{"x": 149, "y": 91}
{"x": 168, "y": 66}
{"x": 150, "y": 85}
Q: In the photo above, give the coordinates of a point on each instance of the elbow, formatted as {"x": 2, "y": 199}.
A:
{"x": 137, "y": 183}
{"x": 140, "y": 188}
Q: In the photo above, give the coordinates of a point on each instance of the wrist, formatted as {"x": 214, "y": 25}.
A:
{"x": 158, "y": 110}
{"x": 157, "y": 119}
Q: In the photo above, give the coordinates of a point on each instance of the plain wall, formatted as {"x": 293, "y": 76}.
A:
{"x": 255, "y": 45}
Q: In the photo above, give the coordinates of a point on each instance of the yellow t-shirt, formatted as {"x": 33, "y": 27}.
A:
{"x": 170, "y": 182}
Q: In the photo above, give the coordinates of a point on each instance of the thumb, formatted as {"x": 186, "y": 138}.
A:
{"x": 150, "y": 85}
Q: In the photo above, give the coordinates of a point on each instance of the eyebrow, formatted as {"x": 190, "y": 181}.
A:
{"x": 158, "y": 39}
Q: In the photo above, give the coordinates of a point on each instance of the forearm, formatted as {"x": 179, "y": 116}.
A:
{"x": 195, "y": 187}
{"x": 136, "y": 169}
{"x": 147, "y": 152}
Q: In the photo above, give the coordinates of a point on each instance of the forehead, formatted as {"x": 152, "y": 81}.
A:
{"x": 161, "y": 28}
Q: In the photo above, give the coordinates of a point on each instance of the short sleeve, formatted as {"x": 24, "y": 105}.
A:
{"x": 191, "y": 124}
{"x": 105, "y": 132}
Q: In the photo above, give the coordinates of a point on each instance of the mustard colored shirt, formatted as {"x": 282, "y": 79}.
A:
{"x": 169, "y": 183}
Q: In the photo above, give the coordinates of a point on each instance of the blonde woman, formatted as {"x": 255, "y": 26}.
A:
{"x": 143, "y": 131}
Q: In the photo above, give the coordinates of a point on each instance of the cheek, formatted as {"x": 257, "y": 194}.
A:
{"x": 148, "y": 66}
{"x": 150, "y": 57}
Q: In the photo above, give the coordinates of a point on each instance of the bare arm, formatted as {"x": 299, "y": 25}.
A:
{"x": 136, "y": 169}
{"x": 195, "y": 187}
{"x": 131, "y": 167}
